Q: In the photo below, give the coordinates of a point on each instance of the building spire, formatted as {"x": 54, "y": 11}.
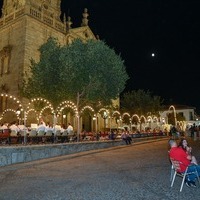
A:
{"x": 85, "y": 18}
{"x": 68, "y": 23}
{"x": 64, "y": 18}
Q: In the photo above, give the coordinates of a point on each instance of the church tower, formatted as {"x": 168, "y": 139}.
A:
{"x": 24, "y": 26}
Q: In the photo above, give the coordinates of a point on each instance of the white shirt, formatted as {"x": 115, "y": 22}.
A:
{"x": 57, "y": 128}
{"x": 14, "y": 127}
{"x": 48, "y": 128}
{"x": 41, "y": 127}
{"x": 70, "y": 129}
{"x": 4, "y": 127}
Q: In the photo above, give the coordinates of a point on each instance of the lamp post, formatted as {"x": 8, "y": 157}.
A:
{"x": 149, "y": 121}
{"x": 18, "y": 112}
{"x": 64, "y": 117}
{"x": 105, "y": 116}
{"x": 24, "y": 127}
{"x": 130, "y": 120}
{"x": 94, "y": 123}
{"x": 18, "y": 115}
{"x": 174, "y": 110}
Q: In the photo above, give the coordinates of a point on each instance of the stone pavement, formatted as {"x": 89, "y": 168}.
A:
{"x": 137, "y": 171}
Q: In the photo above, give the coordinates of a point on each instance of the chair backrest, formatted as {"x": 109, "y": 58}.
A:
{"x": 176, "y": 164}
{"x": 13, "y": 133}
{"x": 33, "y": 133}
{"x": 58, "y": 132}
{"x": 49, "y": 133}
{"x": 41, "y": 133}
{"x": 70, "y": 133}
{"x": 23, "y": 132}
{"x": 65, "y": 133}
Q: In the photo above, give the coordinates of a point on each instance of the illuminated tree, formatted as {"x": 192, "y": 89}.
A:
{"x": 81, "y": 72}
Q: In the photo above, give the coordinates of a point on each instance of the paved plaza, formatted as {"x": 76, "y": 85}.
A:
{"x": 139, "y": 171}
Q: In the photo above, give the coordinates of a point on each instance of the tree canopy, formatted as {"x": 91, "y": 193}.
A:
{"x": 81, "y": 72}
{"x": 141, "y": 102}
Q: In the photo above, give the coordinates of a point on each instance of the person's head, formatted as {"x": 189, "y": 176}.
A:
{"x": 172, "y": 143}
{"x": 183, "y": 143}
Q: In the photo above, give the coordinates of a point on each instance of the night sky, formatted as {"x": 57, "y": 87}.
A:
{"x": 137, "y": 28}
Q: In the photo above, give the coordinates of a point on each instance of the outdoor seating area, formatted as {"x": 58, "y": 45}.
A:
{"x": 8, "y": 136}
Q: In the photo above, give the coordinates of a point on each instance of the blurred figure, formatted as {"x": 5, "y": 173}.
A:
{"x": 4, "y": 126}
{"x": 70, "y": 128}
{"x": 41, "y": 127}
{"x": 14, "y": 127}
{"x": 184, "y": 145}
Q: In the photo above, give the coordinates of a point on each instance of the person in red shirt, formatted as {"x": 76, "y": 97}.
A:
{"x": 179, "y": 154}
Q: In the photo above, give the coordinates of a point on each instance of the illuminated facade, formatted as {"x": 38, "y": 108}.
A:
{"x": 24, "y": 26}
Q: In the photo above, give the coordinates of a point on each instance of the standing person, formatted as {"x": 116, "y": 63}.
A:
{"x": 70, "y": 128}
{"x": 70, "y": 132}
{"x": 192, "y": 129}
{"x": 184, "y": 145}
{"x": 180, "y": 155}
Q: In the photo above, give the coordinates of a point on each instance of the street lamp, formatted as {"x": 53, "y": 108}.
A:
{"x": 130, "y": 120}
{"x": 64, "y": 116}
{"x": 105, "y": 116}
{"x": 149, "y": 121}
{"x": 25, "y": 127}
{"x": 94, "y": 123}
{"x": 18, "y": 112}
{"x": 174, "y": 110}
{"x": 18, "y": 115}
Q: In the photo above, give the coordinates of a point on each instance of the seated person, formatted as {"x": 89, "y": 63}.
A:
{"x": 184, "y": 145}
{"x": 180, "y": 155}
{"x": 57, "y": 128}
{"x": 41, "y": 127}
{"x": 49, "y": 127}
{"x": 14, "y": 127}
{"x": 4, "y": 126}
{"x": 70, "y": 128}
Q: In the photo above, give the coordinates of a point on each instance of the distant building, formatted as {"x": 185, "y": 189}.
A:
{"x": 186, "y": 112}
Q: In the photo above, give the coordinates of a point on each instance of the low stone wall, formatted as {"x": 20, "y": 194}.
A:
{"x": 18, "y": 154}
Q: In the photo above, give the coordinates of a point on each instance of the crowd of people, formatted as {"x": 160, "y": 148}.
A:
{"x": 16, "y": 130}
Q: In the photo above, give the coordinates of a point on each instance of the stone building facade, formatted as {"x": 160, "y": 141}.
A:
{"x": 24, "y": 26}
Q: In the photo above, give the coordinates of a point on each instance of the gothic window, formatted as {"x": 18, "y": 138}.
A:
{"x": 6, "y": 64}
{"x": 46, "y": 3}
{"x": 15, "y": 3}
{"x": 5, "y": 60}
{"x": 1, "y": 66}
{"x": 1, "y": 103}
